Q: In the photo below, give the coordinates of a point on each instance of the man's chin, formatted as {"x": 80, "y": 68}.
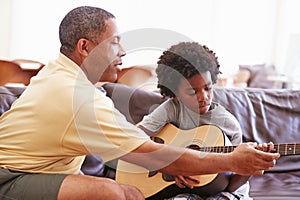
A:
{"x": 111, "y": 79}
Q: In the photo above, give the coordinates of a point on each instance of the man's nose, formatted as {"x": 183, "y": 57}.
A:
{"x": 122, "y": 51}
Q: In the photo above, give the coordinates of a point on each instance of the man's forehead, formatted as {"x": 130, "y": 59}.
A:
{"x": 111, "y": 31}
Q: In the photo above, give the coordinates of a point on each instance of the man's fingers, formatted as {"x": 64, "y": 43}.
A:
{"x": 192, "y": 179}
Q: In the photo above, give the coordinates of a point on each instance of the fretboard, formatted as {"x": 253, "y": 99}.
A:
{"x": 287, "y": 149}
{"x": 218, "y": 149}
{"x": 283, "y": 149}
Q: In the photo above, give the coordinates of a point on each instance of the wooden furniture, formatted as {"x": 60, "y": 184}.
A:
{"x": 11, "y": 72}
{"x": 138, "y": 76}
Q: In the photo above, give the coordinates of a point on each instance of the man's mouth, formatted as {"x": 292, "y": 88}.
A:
{"x": 118, "y": 66}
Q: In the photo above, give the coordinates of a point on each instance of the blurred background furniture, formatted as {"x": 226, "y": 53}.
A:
{"x": 18, "y": 72}
{"x": 141, "y": 76}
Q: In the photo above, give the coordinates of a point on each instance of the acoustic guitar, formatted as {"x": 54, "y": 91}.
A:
{"x": 206, "y": 138}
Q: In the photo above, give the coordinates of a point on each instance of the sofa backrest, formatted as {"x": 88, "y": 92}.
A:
{"x": 133, "y": 102}
{"x": 266, "y": 115}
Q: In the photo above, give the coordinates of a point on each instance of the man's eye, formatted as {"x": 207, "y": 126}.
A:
{"x": 115, "y": 41}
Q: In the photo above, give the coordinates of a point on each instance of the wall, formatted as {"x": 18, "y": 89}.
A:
{"x": 5, "y": 31}
{"x": 239, "y": 31}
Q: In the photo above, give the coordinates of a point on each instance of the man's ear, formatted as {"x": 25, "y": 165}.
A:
{"x": 83, "y": 47}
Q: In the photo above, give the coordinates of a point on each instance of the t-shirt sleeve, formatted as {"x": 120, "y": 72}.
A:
{"x": 158, "y": 118}
{"x": 233, "y": 129}
{"x": 103, "y": 130}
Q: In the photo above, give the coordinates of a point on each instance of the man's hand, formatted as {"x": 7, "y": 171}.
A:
{"x": 249, "y": 159}
{"x": 266, "y": 147}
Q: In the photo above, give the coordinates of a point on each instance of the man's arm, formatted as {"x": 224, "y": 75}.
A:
{"x": 244, "y": 160}
{"x": 237, "y": 180}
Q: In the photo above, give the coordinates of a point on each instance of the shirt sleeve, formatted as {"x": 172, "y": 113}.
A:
{"x": 233, "y": 129}
{"x": 157, "y": 119}
{"x": 102, "y": 129}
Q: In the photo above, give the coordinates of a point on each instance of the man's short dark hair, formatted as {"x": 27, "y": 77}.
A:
{"x": 82, "y": 22}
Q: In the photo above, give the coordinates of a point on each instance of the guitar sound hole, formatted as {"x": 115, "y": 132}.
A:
{"x": 158, "y": 140}
{"x": 194, "y": 147}
{"x": 153, "y": 173}
{"x": 168, "y": 177}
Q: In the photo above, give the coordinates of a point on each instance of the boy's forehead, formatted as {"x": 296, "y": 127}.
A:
{"x": 201, "y": 78}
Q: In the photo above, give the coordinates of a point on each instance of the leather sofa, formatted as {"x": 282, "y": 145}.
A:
{"x": 264, "y": 114}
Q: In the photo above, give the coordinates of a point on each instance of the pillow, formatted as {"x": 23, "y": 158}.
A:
{"x": 259, "y": 76}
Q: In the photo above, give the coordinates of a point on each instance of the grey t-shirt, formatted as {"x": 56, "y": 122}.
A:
{"x": 172, "y": 111}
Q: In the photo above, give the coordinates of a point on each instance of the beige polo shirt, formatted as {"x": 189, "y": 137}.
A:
{"x": 58, "y": 119}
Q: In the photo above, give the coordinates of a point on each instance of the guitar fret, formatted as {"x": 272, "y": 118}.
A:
{"x": 218, "y": 149}
{"x": 285, "y": 149}
{"x": 288, "y": 149}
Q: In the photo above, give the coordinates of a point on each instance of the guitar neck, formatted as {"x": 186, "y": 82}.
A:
{"x": 287, "y": 149}
{"x": 283, "y": 149}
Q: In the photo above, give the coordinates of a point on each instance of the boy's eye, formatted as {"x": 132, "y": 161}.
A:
{"x": 192, "y": 93}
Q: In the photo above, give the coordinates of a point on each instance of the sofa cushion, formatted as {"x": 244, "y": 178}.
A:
{"x": 275, "y": 186}
{"x": 8, "y": 96}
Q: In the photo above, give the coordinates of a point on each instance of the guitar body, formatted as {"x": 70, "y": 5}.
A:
{"x": 155, "y": 185}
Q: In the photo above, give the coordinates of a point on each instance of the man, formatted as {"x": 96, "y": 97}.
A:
{"x": 61, "y": 117}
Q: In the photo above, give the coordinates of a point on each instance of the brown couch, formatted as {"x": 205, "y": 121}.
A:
{"x": 265, "y": 115}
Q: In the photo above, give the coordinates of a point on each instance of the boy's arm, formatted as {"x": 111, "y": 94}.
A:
{"x": 236, "y": 181}
{"x": 148, "y": 132}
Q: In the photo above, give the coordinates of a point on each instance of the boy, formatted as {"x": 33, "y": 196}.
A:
{"x": 186, "y": 73}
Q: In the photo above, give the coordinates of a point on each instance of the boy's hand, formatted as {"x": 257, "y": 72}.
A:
{"x": 186, "y": 181}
